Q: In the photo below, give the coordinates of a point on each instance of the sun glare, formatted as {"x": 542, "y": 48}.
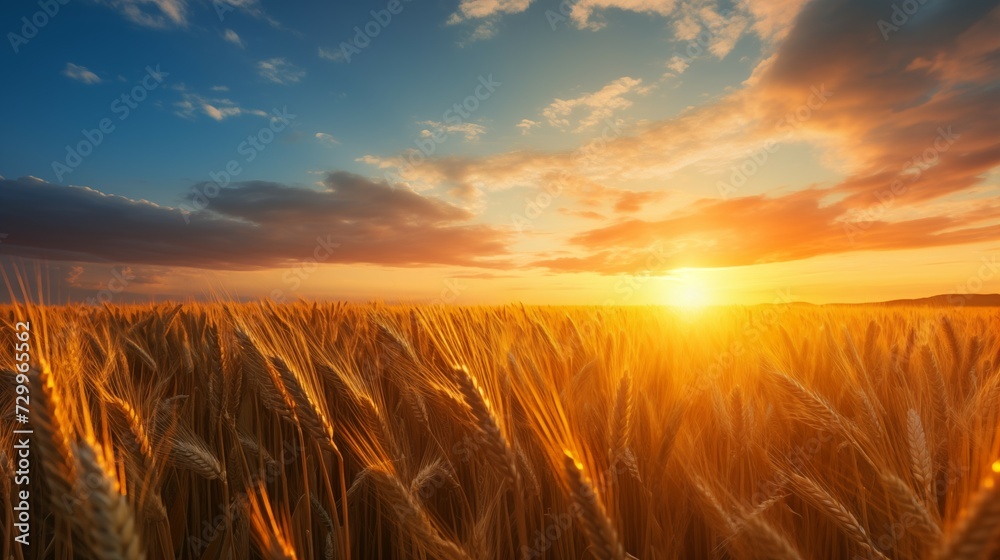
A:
{"x": 687, "y": 291}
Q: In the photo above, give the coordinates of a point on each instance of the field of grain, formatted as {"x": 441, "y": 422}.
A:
{"x": 379, "y": 431}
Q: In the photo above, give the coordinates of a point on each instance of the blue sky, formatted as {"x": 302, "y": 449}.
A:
{"x": 415, "y": 69}
{"x": 747, "y": 145}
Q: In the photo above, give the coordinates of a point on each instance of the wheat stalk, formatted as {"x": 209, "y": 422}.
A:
{"x": 112, "y": 527}
{"x": 600, "y": 532}
{"x": 835, "y": 510}
{"x": 496, "y": 447}
{"x": 413, "y": 517}
{"x": 52, "y": 435}
{"x": 903, "y": 496}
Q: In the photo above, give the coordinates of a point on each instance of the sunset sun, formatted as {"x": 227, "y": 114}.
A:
{"x": 688, "y": 292}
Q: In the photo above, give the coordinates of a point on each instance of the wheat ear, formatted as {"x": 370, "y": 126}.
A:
{"x": 902, "y": 495}
{"x": 920, "y": 455}
{"x": 621, "y": 419}
{"x": 412, "y": 515}
{"x": 835, "y": 510}
{"x": 591, "y": 513}
{"x": 112, "y": 526}
{"x": 496, "y": 447}
{"x": 49, "y": 425}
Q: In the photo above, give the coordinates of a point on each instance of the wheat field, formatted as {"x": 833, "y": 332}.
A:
{"x": 433, "y": 432}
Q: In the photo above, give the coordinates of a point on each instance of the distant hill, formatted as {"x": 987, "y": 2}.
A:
{"x": 951, "y": 300}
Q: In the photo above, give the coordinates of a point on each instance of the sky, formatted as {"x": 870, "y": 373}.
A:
{"x": 616, "y": 152}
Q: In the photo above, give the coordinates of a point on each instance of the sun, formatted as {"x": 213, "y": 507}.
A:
{"x": 687, "y": 291}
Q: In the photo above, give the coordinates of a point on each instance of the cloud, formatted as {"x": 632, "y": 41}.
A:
{"x": 478, "y": 9}
{"x": 759, "y": 229}
{"x": 232, "y": 37}
{"x": 483, "y": 31}
{"x": 280, "y": 71}
{"x": 80, "y": 74}
{"x": 772, "y": 19}
{"x": 595, "y": 107}
{"x": 916, "y": 113}
{"x": 251, "y": 8}
{"x": 326, "y": 138}
{"x": 526, "y": 125}
{"x": 152, "y": 13}
{"x": 218, "y": 109}
{"x": 706, "y": 26}
{"x": 869, "y": 109}
{"x": 583, "y": 11}
{"x": 471, "y": 131}
{"x": 251, "y": 226}
{"x": 336, "y": 55}
{"x": 768, "y": 19}
{"x": 678, "y": 64}
{"x": 73, "y": 277}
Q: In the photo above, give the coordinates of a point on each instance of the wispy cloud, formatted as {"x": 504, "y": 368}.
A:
{"x": 769, "y": 19}
{"x": 152, "y": 13}
{"x": 80, "y": 74}
{"x": 336, "y": 55}
{"x": 251, "y": 8}
{"x": 595, "y": 107}
{"x": 219, "y": 109}
{"x": 526, "y": 125}
{"x": 280, "y": 71}
{"x": 231, "y": 36}
{"x": 478, "y": 9}
{"x": 326, "y": 138}
{"x": 470, "y": 131}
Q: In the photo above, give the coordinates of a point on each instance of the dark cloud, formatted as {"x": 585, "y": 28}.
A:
{"x": 249, "y": 226}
